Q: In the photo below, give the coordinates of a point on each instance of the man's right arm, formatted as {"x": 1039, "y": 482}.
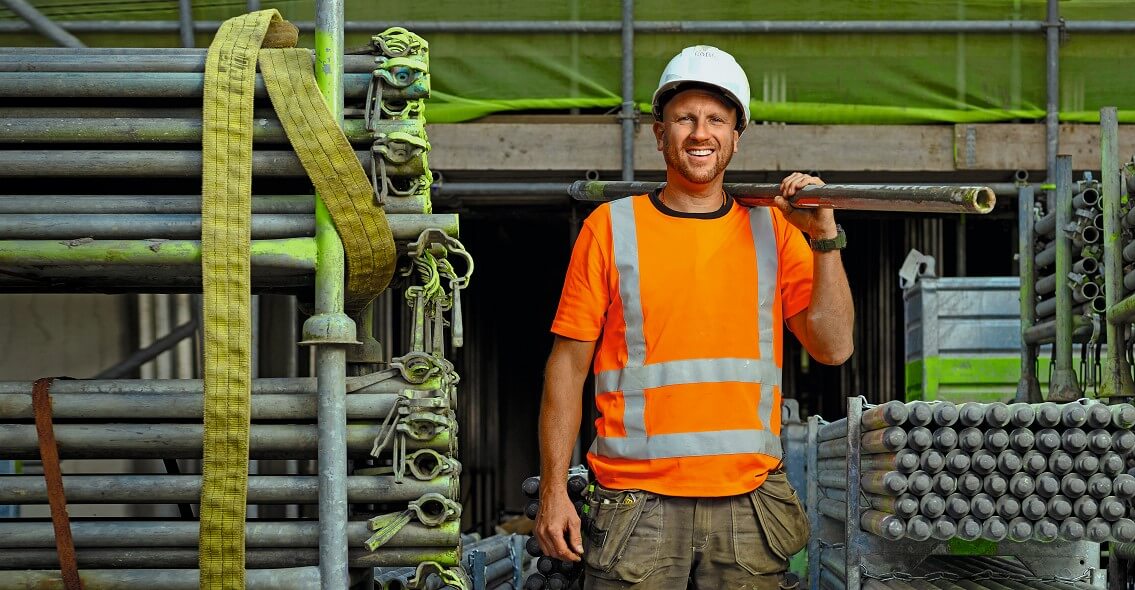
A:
{"x": 557, "y": 524}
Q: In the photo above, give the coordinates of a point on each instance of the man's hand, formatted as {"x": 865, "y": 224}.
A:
{"x": 557, "y": 526}
{"x": 819, "y": 224}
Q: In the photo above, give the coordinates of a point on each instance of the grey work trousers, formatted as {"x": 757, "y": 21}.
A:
{"x": 637, "y": 539}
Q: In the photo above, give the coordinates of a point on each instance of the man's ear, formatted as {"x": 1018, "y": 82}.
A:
{"x": 736, "y": 140}
{"x": 658, "y": 129}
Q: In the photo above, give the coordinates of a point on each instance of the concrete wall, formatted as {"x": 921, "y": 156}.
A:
{"x": 75, "y": 336}
{"x": 55, "y": 335}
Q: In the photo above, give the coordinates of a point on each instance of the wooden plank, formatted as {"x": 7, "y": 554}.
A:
{"x": 1022, "y": 147}
{"x": 520, "y": 146}
{"x": 845, "y": 148}
{"x": 763, "y": 148}
{"x": 591, "y": 145}
{"x": 999, "y": 147}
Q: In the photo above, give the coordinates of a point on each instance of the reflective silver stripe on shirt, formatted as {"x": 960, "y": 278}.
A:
{"x": 625, "y": 244}
{"x": 681, "y": 372}
{"x": 764, "y": 245}
{"x": 690, "y": 444}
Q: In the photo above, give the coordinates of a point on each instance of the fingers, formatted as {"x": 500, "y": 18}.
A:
{"x": 575, "y": 538}
{"x": 817, "y": 222}
{"x": 560, "y": 538}
{"x": 788, "y": 185}
{"x": 781, "y": 203}
{"x": 558, "y": 534}
{"x": 796, "y": 181}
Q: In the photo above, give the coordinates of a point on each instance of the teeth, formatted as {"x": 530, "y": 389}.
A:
{"x": 700, "y": 152}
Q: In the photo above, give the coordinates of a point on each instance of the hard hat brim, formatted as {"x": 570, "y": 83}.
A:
{"x": 671, "y": 89}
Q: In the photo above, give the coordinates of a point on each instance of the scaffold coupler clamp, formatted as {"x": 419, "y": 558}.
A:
{"x": 432, "y": 510}
{"x": 402, "y": 62}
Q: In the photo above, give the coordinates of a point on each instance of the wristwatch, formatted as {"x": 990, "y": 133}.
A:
{"x": 839, "y": 242}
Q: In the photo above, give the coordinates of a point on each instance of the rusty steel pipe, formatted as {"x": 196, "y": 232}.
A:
{"x": 864, "y": 197}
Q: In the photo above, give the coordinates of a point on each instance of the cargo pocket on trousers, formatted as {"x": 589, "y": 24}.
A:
{"x": 750, "y": 544}
{"x": 781, "y": 515}
{"x": 624, "y": 535}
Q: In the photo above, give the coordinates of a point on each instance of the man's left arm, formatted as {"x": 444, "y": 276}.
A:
{"x": 825, "y": 326}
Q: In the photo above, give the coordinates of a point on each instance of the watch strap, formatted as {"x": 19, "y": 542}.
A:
{"x": 839, "y": 242}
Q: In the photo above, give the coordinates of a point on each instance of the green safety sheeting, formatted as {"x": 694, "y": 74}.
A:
{"x": 796, "y": 78}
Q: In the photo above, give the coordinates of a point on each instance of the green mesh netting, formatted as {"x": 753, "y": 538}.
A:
{"x": 796, "y": 78}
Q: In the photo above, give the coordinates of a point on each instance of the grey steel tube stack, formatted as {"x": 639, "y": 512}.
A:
{"x": 166, "y": 424}
{"x": 1077, "y": 272}
{"x": 939, "y": 471}
{"x": 139, "y": 231}
{"x": 101, "y": 151}
{"x": 1084, "y": 275}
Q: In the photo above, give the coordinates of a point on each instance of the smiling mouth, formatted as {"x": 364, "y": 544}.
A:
{"x": 700, "y": 152}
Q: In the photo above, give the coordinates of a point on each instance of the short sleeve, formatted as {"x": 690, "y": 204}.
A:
{"x": 586, "y": 294}
{"x": 796, "y": 264}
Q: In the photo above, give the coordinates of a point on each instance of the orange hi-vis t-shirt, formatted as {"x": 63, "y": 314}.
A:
{"x": 689, "y": 402}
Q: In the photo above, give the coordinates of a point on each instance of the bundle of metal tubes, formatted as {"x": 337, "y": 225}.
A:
{"x": 118, "y": 132}
{"x": 494, "y": 563}
{"x": 950, "y": 573}
{"x": 1085, "y": 277}
{"x": 140, "y": 419}
{"x": 1020, "y": 472}
{"x": 552, "y": 573}
{"x": 400, "y": 430}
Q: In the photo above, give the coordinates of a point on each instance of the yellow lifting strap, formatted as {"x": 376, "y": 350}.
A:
{"x": 225, "y": 242}
{"x": 338, "y": 176}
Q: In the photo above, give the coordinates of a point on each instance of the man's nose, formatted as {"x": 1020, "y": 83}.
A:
{"x": 700, "y": 131}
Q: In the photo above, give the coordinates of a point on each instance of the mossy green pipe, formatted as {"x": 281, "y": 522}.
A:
{"x": 1116, "y": 371}
{"x": 289, "y": 253}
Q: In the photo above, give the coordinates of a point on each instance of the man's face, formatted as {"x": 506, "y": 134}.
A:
{"x": 697, "y": 135}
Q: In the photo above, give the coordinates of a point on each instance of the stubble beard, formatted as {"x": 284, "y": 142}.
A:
{"x": 674, "y": 156}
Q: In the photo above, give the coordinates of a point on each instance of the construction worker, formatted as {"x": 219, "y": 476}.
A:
{"x": 676, "y": 300}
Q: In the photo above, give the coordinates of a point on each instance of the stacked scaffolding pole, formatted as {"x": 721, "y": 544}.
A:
{"x": 382, "y": 439}
{"x": 1046, "y": 482}
{"x": 122, "y": 242}
{"x": 1077, "y": 266}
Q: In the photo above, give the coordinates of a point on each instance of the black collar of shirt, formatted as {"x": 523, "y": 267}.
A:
{"x": 726, "y": 206}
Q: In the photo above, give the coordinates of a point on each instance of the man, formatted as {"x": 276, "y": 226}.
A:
{"x": 678, "y": 298}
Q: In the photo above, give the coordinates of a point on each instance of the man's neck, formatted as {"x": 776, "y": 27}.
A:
{"x": 693, "y": 198}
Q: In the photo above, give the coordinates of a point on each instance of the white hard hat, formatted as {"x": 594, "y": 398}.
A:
{"x": 706, "y": 65}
